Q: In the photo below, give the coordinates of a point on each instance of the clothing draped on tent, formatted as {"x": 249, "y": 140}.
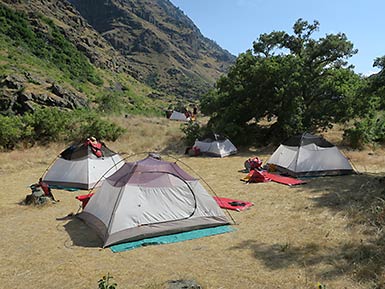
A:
{"x": 82, "y": 165}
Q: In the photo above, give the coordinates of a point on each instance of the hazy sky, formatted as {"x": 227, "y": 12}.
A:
{"x": 235, "y": 24}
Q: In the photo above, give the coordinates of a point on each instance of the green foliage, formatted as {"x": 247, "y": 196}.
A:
{"x": 11, "y": 131}
{"x": 101, "y": 129}
{"x": 47, "y": 43}
{"x": 47, "y": 124}
{"x": 111, "y": 103}
{"x": 376, "y": 82}
{"x": 105, "y": 283}
{"x": 360, "y": 134}
{"x": 369, "y": 126}
{"x": 192, "y": 131}
{"x": 127, "y": 102}
{"x": 294, "y": 81}
{"x": 152, "y": 79}
{"x": 367, "y": 130}
{"x": 52, "y": 124}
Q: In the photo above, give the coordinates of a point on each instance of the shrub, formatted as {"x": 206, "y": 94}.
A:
{"x": 109, "y": 103}
{"x": 52, "y": 124}
{"x": 11, "y": 131}
{"x": 100, "y": 128}
{"x": 47, "y": 124}
{"x": 192, "y": 131}
{"x": 368, "y": 130}
{"x": 104, "y": 283}
{"x": 355, "y": 137}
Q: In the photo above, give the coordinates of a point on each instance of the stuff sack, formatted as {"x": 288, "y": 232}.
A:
{"x": 253, "y": 163}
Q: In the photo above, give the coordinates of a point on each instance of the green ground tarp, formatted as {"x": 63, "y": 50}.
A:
{"x": 173, "y": 238}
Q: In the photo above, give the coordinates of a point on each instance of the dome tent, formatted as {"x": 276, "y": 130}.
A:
{"x": 215, "y": 145}
{"x": 82, "y": 166}
{"x": 309, "y": 155}
{"x": 149, "y": 198}
{"x": 179, "y": 116}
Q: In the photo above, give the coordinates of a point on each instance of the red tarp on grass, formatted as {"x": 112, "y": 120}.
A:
{"x": 232, "y": 204}
{"x": 282, "y": 180}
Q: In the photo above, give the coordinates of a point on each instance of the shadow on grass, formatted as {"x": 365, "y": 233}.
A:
{"x": 280, "y": 256}
{"x": 81, "y": 235}
{"x": 361, "y": 200}
{"x": 364, "y": 261}
{"x": 251, "y": 152}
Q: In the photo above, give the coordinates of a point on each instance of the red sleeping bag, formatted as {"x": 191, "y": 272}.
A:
{"x": 282, "y": 179}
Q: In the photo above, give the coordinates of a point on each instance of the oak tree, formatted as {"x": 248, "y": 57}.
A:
{"x": 293, "y": 81}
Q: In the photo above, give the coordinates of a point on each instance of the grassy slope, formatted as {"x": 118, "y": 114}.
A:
{"x": 19, "y": 61}
{"x": 20, "y": 53}
{"x": 291, "y": 238}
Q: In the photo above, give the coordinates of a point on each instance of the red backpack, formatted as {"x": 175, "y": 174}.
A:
{"x": 253, "y": 164}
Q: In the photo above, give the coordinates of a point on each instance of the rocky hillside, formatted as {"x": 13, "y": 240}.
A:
{"x": 69, "y": 53}
{"x": 160, "y": 42}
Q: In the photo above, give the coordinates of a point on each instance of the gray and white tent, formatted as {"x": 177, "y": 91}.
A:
{"x": 149, "y": 198}
{"x": 309, "y": 155}
{"x": 215, "y": 145}
{"x": 79, "y": 167}
{"x": 179, "y": 116}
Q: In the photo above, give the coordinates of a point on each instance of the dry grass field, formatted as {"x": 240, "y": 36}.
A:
{"x": 328, "y": 231}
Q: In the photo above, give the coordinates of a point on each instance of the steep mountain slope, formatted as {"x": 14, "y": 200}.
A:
{"x": 57, "y": 53}
{"x": 160, "y": 42}
{"x": 74, "y": 28}
{"x": 50, "y": 56}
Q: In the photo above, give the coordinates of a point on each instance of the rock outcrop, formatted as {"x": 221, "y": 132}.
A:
{"x": 21, "y": 94}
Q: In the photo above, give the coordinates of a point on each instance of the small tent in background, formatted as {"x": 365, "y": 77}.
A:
{"x": 175, "y": 115}
{"x": 215, "y": 145}
{"x": 150, "y": 198}
{"x": 309, "y": 155}
{"x": 82, "y": 166}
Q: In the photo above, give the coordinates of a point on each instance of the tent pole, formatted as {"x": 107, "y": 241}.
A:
{"x": 231, "y": 217}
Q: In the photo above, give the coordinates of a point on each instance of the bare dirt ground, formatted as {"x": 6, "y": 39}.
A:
{"x": 293, "y": 237}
